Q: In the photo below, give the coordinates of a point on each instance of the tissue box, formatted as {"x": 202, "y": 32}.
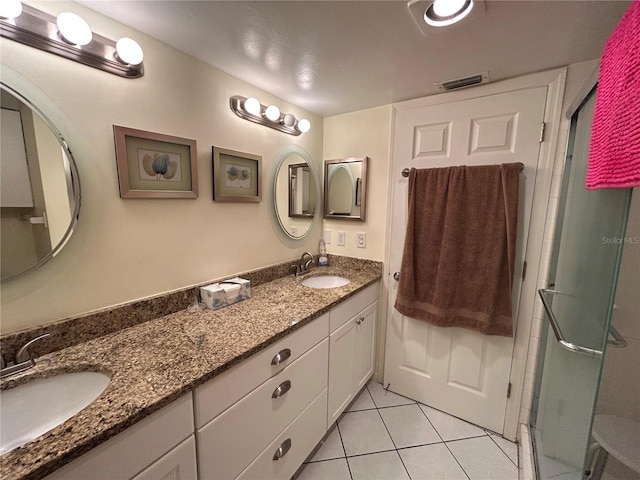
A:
{"x": 218, "y": 295}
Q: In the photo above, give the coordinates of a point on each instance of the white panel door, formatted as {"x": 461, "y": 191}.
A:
{"x": 455, "y": 370}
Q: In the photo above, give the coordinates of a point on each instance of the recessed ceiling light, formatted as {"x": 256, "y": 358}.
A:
{"x": 446, "y": 12}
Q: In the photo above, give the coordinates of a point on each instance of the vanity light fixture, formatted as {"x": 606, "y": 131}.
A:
{"x": 69, "y": 36}
{"x": 447, "y": 12}
{"x": 269, "y": 116}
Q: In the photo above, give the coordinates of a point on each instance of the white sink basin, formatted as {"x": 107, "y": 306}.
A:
{"x": 325, "y": 281}
{"x": 31, "y": 409}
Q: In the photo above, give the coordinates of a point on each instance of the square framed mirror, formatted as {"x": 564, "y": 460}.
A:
{"x": 345, "y": 188}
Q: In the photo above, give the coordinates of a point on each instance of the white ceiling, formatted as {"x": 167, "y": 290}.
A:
{"x": 332, "y": 57}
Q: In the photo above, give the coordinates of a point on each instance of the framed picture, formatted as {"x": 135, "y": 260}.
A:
{"x": 152, "y": 165}
{"x": 237, "y": 176}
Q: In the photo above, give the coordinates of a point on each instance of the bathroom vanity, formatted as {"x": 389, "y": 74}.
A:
{"x": 252, "y": 388}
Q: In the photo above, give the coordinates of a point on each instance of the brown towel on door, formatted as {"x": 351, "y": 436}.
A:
{"x": 457, "y": 265}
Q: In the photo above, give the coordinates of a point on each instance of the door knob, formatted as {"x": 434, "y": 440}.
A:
{"x": 396, "y": 276}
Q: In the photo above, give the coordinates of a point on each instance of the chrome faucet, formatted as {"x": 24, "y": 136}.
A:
{"x": 304, "y": 266}
{"x": 23, "y": 361}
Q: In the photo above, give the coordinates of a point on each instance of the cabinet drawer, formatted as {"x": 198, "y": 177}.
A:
{"x": 217, "y": 395}
{"x": 345, "y": 311}
{"x": 178, "y": 464}
{"x": 129, "y": 452}
{"x": 233, "y": 439}
{"x": 296, "y": 443}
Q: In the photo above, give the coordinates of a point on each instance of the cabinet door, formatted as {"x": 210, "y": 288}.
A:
{"x": 178, "y": 464}
{"x": 342, "y": 346}
{"x": 364, "y": 347}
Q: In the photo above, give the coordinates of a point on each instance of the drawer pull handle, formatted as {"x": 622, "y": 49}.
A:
{"x": 282, "y": 356}
{"x": 282, "y": 450}
{"x": 283, "y": 388}
{"x": 360, "y": 320}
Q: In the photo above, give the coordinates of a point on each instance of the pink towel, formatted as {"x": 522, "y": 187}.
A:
{"x": 614, "y": 159}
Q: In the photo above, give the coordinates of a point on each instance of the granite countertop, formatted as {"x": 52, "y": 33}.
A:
{"x": 154, "y": 363}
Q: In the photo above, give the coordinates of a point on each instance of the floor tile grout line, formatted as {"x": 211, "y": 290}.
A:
{"x": 393, "y": 442}
{"x": 502, "y": 450}
{"x": 445, "y": 443}
{"x": 346, "y": 459}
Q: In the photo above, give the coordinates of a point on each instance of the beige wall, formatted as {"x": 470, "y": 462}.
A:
{"x": 359, "y": 134}
{"x": 125, "y": 250}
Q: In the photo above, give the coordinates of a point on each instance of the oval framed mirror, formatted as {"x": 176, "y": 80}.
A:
{"x": 345, "y": 188}
{"x": 40, "y": 191}
{"x": 296, "y": 193}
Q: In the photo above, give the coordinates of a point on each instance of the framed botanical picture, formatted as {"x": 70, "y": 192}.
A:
{"x": 152, "y": 165}
{"x": 237, "y": 176}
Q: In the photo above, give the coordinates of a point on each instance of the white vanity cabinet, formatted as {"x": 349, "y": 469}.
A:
{"x": 351, "y": 349}
{"x": 160, "y": 446}
{"x": 289, "y": 379}
{"x": 258, "y": 420}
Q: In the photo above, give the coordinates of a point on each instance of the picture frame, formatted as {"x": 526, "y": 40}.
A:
{"x": 237, "y": 176}
{"x": 154, "y": 165}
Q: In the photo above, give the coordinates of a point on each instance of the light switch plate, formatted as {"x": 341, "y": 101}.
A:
{"x": 326, "y": 236}
{"x": 362, "y": 239}
{"x": 341, "y": 238}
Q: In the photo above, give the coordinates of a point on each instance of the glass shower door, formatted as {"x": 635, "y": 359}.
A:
{"x": 578, "y": 306}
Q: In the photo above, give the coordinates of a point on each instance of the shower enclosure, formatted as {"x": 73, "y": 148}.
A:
{"x": 578, "y": 304}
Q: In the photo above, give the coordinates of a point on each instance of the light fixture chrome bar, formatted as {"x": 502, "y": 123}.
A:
{"x": 236, "y": 103}
{"x": 39, "y": 29}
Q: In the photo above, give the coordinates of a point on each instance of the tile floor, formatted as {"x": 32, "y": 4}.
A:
{"x": 386, "y": 436}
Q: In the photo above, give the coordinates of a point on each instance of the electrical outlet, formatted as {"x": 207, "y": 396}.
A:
{"x": 294, "y": 231}
{"x": 362, "y": 240}
{"x": 341, "y": 238}
{"x": 326, "y": 236}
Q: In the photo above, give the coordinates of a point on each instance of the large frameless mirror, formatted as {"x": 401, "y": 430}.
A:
{"x": 296, "y": 192}
{"x": 345, "y": 188}
{"x": 40, "y": 187}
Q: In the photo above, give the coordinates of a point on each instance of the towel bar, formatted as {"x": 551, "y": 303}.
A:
{"x": 406, "y": 171}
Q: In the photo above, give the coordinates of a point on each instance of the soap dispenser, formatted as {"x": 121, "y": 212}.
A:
{"x": 323, "y": 260}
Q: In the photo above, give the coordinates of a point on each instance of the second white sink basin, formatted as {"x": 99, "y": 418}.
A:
{"x": 31, "y": 409}
{"x": 325, "y": 281}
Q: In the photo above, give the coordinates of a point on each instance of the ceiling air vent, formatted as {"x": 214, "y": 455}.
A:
{"x": 463, "y": 82}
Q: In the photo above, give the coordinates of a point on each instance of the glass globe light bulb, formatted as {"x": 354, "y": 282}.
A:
{"x": 10, "y": 8}
{"x": 74, "y": 29}
{"x": 272, "y": 113}
{"x": 251, "y": 105}
{"x": 129, "y": 51}
{"x": 304, "y": 125}
{"x": 289, "y": 120}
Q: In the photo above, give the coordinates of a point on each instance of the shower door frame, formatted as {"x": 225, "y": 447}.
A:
{"x": 545, "y": 330}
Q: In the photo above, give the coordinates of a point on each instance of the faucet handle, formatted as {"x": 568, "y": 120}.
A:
{"x": 25, "y": 354}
